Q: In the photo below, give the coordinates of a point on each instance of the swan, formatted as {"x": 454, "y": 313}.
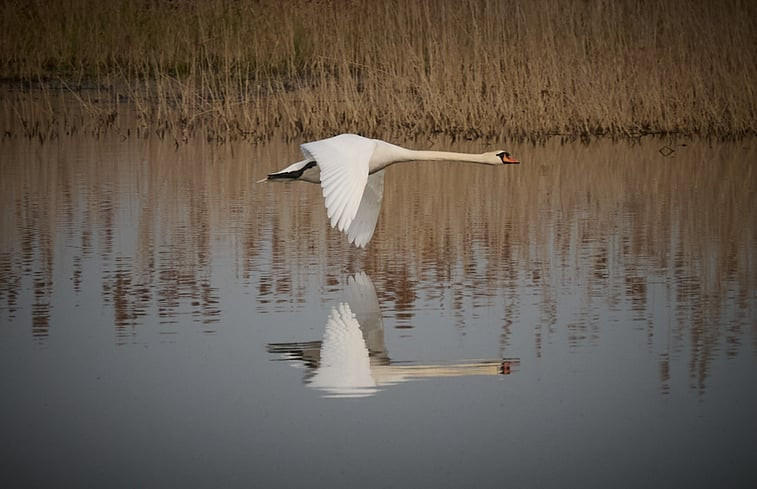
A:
{"x": 350, "y": 170}
{"x": 352, "y": 359}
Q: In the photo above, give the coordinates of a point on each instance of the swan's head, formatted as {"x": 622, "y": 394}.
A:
{"x": 500, "y": 157}
{"x": 504, "y": 157}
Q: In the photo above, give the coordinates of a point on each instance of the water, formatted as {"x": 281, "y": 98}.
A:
{"x": 588, "y": 318}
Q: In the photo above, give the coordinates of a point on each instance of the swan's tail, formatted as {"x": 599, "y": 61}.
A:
{"x": 292, "y": 172}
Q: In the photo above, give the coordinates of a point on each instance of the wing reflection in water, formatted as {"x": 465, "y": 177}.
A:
{"x": 352, "y": 361}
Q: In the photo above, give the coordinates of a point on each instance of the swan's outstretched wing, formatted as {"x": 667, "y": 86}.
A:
{"x": 360, "y": 294}
{"x": 345, "y": 366}
{"x": 343, "y": 161}
{"x": 364, "y": 223}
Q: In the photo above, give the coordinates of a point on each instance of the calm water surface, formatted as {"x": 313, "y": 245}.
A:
{"x": 585, "y": 319}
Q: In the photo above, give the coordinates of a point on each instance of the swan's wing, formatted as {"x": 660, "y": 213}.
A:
{"x": 360, "y": 294}
{"x": 345, "y": 366}
{"x": 364, "y": 223}
{"x": 343, "y": 161}
{"x": 343, "y": 343}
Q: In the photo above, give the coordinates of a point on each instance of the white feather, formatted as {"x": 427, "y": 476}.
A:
{"x": 362, "y": 227}
{"x": 344, "y": 162}
{"x": 345, "y": 364}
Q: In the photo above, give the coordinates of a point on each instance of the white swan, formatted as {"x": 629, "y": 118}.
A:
{"x": 352, "y": 359}
{"x": 349, "y": 169}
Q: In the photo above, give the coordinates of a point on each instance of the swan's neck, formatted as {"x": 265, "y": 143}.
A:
{"x": 444, "y": 156}
{"x": 387, "y": 154}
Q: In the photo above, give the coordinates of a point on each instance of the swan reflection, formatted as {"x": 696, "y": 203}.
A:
{"x": 351, "y": 360}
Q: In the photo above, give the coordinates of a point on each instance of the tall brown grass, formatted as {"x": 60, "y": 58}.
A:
{"x": 476, "y": 68}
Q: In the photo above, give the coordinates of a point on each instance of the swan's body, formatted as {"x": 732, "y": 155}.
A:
{"x": 349, "y": 169}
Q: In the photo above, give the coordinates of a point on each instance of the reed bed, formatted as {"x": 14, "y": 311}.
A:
{"x": 252, "y": 69}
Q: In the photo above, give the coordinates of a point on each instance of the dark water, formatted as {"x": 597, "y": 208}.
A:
{"x": 586, "y": 319}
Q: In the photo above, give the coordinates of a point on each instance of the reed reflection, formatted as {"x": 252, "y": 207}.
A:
{"x": 146, "y": 235}
{"x": 588, "y": 235}
{"x": 352, "y": 360}
{"x": 129, "y": 220}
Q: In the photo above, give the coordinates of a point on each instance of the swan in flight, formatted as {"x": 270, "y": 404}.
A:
{"x": 349, "y": 169}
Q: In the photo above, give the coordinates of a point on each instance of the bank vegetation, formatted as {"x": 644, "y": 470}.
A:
{"x": 252, "y": 69}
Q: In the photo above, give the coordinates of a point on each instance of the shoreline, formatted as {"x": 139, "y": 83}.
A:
{"x": 46, "y": 114}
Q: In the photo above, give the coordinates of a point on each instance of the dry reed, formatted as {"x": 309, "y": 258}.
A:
{"x": 251, "y": 69}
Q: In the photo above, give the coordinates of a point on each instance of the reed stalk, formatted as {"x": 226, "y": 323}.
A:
{"x": 466, "y": 68}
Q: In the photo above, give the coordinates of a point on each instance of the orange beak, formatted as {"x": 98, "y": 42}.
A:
{"x": 507, "y": 159}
